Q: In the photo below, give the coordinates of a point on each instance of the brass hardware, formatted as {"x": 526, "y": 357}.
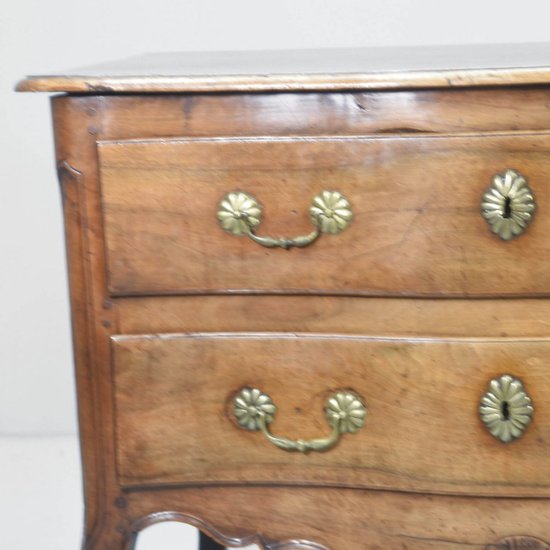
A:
{"x": 508, "y": 205}
{"x": 506, "y": 408}
{"x": 344, "y": 411}
{"x": 239, "y": 214}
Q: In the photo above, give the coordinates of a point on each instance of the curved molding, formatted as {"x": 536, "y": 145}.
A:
{"x": 65, "y": 169}
{"x": 519, "y": 543}
{"x": 212, "y": 532}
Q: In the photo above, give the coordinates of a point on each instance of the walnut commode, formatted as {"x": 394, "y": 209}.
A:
{"x": 310, "y": 296}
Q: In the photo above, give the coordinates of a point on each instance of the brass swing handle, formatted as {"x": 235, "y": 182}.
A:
{"x": 344, "y": 411}
{"x": 239, "y": 214}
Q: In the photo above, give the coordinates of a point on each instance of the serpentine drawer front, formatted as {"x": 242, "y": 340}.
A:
{"x": 408, "y": 215}
{"x": 311, "y": 310}
{"x": 422, "y": 431}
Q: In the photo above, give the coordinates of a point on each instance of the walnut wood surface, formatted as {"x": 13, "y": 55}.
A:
{"x": 417, "y": 228}
{"x": 179, "y": 426}
{"x": 340, "y": 114}
{"x": 402, "y": 317}
{"x": 350, "y": 519}
{"x": 322, "y": 517}
{"x": 330, "y": 69}
{"x": 92, "y": 317}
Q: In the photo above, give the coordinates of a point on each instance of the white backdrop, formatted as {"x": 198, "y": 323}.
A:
{"x": 39, "y": 36}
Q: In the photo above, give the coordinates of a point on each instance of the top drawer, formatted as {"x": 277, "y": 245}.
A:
{"x": 416, "y": 230}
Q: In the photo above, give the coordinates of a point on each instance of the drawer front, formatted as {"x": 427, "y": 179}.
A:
{"x": 416, "y": 226}
{"x": 175, "y": 421}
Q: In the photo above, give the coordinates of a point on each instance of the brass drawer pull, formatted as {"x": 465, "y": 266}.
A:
{"x": 506, "y": 408}
{"x": 508, "y": 205}
{"x": 344, "y": 411}
{"x": 239, "y": 214}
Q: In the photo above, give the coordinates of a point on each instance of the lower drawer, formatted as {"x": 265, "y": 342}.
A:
{"x": 175, "y": 422}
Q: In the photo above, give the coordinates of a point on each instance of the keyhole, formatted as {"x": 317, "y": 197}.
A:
{"x": 507, "y": 207}
{"x": 505, "y": 408}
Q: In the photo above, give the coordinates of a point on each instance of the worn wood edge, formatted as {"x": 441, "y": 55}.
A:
{"x": 428, "y": 135}
{"x": 210, "y": 530}
{"x": 323, "y": 336}
{"x": 285, "y": 82}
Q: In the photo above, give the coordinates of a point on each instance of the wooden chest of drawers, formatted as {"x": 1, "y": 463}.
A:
{"x": 311, "y": 307}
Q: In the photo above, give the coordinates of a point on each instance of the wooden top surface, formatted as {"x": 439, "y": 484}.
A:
{"x": 337, "y": 69}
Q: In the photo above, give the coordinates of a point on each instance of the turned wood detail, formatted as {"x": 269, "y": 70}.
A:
{"x": 211, "y": 531}
{"x": 519, "y": 543}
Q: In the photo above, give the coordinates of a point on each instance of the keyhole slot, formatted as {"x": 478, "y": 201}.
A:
{"x": 507, "y": 208}
{"x": 505, "y": 409}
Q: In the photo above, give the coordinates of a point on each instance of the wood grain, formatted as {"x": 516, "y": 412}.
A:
{"x": 350, "y": 519}
{"x": 305, "y": 114}
{"x": 174, "y": 420}
{"x": 93, "y": 317}
{"x": 285, "y": 82}
{"x": 417, "y": 228}
{"x": 401, "y": 317}
{"x": 329, "y": 69}
{"x": 272, "y": 513}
